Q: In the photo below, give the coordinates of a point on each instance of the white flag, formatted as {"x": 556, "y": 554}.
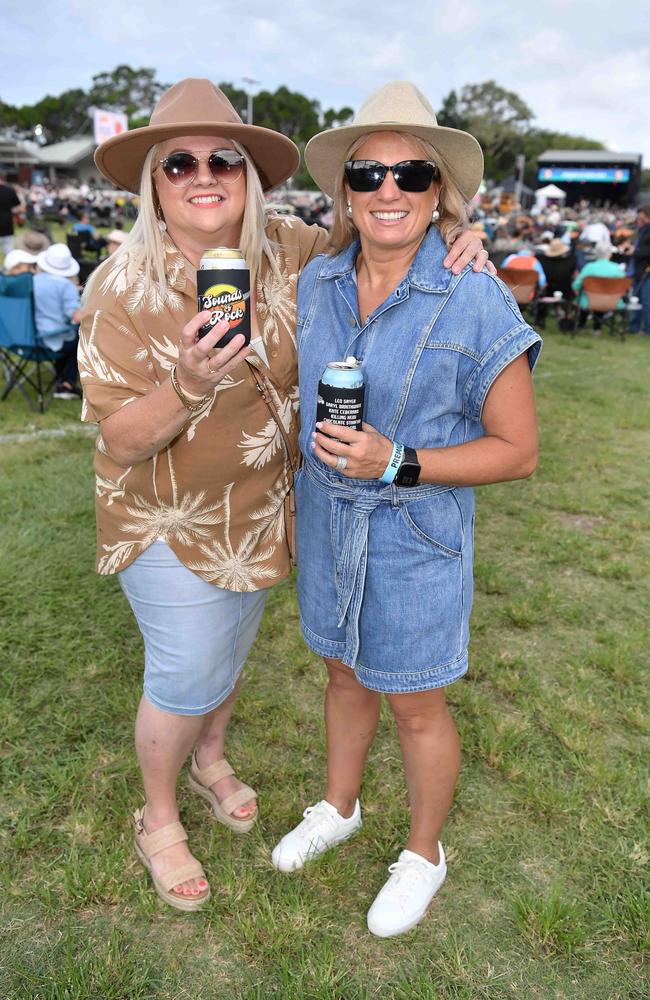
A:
{"x": 108, "y": 123}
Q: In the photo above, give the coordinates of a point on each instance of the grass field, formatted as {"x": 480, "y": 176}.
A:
{"x": 547, "y": 894}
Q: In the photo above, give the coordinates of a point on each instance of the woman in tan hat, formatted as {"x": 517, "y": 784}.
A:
{"x": 385, "y": 513}
{"x": 191, "y": 465}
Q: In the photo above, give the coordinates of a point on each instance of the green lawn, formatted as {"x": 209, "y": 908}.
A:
{"x": 547, "y": 894}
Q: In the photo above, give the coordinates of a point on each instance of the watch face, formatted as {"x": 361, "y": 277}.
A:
{"x": 408, "y": 474}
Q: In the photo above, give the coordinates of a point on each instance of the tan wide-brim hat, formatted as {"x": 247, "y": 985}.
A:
{"x": 556, "y": 248}
{"x": 31, "y": 241}
{"x": 196, "y": 107}
{"x": 396, "y": 107}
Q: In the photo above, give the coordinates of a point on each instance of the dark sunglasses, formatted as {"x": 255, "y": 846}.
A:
{"x": 181, "y": 168}
{"x": 410, "y": 175}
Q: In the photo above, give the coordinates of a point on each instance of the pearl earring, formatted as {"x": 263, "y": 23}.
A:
{"x": 162, "y": 225}
{"x": 435, "y": 215}
{"x": 349, "y": 211}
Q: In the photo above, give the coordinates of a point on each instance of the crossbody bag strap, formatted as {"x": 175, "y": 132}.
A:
{"x": 262, "y": 388}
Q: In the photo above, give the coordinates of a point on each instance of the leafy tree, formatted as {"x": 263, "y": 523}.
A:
{"x": 134, "y": 92}
{"x": 498, "y": 118}
{"x": 238, "y": 98}
{"x": 288, "y": 112}
{"x": 501, "y": 121}
{"x": 333, "y": 118}
{"x": 449, "y": 114}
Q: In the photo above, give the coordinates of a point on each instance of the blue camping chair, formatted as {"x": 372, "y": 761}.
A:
{"x": 27, "y": 363}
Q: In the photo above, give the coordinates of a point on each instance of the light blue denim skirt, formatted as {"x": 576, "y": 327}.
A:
{"x": 196, "y": 636}
{"x": 385, "y": 578}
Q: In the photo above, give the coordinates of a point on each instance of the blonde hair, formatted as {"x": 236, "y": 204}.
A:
{"x": 144, "y": 245}
{"x": 454, "y": 217}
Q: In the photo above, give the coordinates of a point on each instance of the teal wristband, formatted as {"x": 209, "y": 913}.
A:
{"x": 394, "y": 463}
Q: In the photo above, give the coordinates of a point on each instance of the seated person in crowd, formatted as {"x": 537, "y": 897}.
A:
{"x": 601, "y": 267}
{"x": 525, "y": 259}
{"x": 57, "y": 314}
{"x": 19, "y": 262}
{"x": 559, "y": 265}
{"x": 114, "y": 240}
{"x": 32, "y": 241}
{"x": 638, "y": 267}
{"x": 90, "y": 238}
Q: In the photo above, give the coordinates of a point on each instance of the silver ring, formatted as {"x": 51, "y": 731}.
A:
{"x": 341, "y": 463}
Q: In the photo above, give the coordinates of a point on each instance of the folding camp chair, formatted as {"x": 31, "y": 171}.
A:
{"x": 522, "y": 282}
{"x": 27, "y": 364}
{"x": 603, "y": 297}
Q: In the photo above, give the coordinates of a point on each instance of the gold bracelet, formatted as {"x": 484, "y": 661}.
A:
{"x": 193, "y": 405}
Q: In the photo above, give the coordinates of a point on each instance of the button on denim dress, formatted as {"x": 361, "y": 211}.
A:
{"x": 385, "y": 572}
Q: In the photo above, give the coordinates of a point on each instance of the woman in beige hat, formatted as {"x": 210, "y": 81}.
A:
{"x": 191, "y": 466}
{"x": 385, "y": 514}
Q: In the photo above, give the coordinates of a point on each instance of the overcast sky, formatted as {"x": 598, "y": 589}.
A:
{"x": 583, "y": 67}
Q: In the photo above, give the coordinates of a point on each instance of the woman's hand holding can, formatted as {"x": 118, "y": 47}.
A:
{"x": 360, "y": 454}
{"x": 200, "y": 368}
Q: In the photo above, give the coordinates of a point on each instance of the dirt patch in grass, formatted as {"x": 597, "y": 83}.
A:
{"x": 580, "y": 522}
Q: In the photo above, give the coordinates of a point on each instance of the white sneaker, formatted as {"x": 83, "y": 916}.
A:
{"x": 406, "y": 896}
{"x": 322, "y": 827}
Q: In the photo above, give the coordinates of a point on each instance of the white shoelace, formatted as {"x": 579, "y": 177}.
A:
{"x": 405, "y": 874}
{"x": 314, "y": 815}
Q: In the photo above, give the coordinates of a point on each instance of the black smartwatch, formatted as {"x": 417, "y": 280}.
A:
{"x": 409, "y": 470}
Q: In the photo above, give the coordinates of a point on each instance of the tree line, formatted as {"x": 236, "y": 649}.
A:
{"x": 499, "y": 118}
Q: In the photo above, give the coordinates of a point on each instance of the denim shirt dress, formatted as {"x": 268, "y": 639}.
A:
{"x": 385, "y": 572}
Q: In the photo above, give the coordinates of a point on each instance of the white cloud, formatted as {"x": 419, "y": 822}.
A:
{"x": 579, "y": 67}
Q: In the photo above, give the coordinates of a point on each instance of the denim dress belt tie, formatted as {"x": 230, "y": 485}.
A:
{"x": 351, "y": 564}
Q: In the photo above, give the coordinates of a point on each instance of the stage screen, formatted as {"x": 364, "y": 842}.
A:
{"x": 571, "y": 175}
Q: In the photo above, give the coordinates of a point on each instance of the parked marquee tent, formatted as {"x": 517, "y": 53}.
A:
{"x": 548, "y": 193}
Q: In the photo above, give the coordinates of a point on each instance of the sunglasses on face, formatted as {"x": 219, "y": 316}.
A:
{"x": 410, "y": 175}
{"x": 225, "y": 166}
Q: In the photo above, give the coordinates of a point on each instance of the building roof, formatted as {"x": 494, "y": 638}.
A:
{"x": 587, "y": 156}
{"x": 67, "y": 153}
{"x": 14, "y": 152}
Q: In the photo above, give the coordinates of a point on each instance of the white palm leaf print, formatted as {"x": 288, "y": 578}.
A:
{"x": 236, "y": 570}
{"x": 110, "y": 488}
{"x": 227, "y": 382}
{"x": 154, "y": 299}
{"x": 278, "y": 302}
{"x": 91, "y": 363}
{"x": 188, "y": 522}
{"x": 271, "y": 513}
{"x": 117, "y": 278}
{"x": 116, "y": 556}
{"x": 260, "y": 448}
{"x": 165, "y": 352}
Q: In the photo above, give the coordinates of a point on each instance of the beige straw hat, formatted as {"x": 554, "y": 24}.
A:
{"x": 31, "y": 241}
{"x": 195, "y": 107}
{"x": 556, "y": 248}
{"x": 396, "y": 107}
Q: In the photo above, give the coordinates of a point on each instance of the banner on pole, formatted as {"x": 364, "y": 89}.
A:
{"x": 108, "y": 123}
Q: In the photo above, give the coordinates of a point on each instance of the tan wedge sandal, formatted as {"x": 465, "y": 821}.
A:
{"x": 148, "y": 844}
{"x": 200, "y": 779}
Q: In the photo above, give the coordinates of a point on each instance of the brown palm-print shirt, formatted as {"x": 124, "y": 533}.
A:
{"x": 215, "y": 493}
